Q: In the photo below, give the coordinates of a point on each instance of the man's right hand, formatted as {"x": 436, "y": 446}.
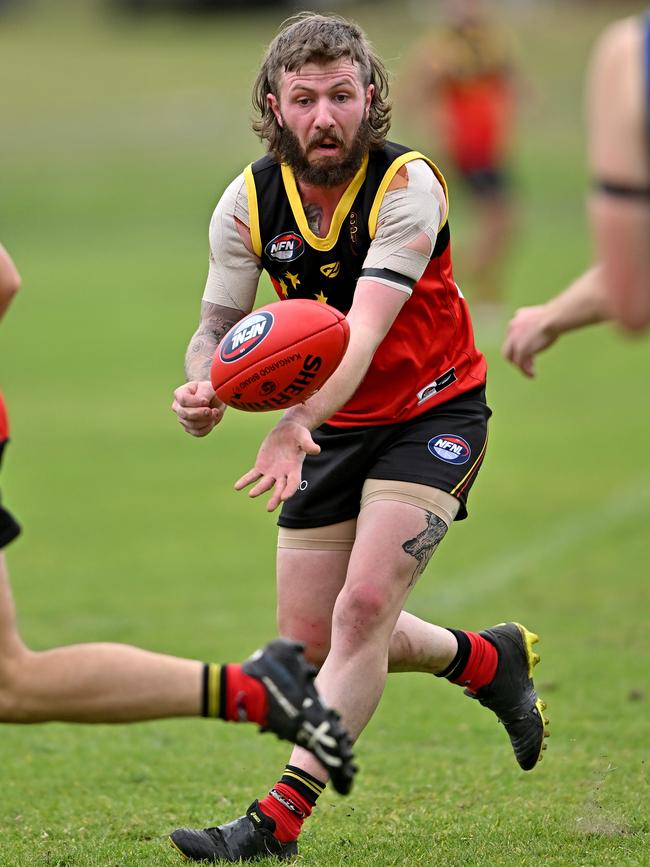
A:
{"x": 198, "y": 408}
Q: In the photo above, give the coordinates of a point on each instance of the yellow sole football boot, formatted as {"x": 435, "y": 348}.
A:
{"x": 511, "y": 694}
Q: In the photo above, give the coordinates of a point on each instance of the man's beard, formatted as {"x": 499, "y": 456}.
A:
{"x": 327, "y": 171}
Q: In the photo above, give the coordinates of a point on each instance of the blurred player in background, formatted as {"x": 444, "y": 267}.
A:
{"x": 618, "y": 288}
{"x": 374, "y": 468}
{"x": 116, "y": 683}
{"x": 463, "y": 83}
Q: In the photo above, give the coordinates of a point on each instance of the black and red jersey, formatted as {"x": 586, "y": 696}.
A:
{"x": 428, "y": 356}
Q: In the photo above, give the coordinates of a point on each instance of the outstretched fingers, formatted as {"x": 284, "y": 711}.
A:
{"x": 281, "y": 488}
{"x": 247, "y": 479}
{"x": 279, "y": 463}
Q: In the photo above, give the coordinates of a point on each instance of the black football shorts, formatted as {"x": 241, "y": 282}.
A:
{"x": 443, "y": 448}
{"x": 487, "y": 182}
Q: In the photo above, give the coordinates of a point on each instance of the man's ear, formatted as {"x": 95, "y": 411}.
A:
{"x": 275, "y": 107}
{"x": 370, "y": 92}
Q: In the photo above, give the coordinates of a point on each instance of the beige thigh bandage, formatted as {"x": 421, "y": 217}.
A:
{"x": 333, "y": 537}
{"x": 433, "y": 500}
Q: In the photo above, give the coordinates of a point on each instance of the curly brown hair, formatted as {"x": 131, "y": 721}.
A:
{"x": 311, "y": 38}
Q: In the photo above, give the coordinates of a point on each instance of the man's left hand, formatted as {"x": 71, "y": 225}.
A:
{"x": 279, "y": 463}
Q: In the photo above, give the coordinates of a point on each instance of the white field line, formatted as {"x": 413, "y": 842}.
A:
{"x": 547, "y": 546}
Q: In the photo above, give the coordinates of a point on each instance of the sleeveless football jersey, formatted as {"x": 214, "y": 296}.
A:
{"x": 428, "y": 355}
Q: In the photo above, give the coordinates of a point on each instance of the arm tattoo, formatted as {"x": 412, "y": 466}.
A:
{"x": 425, "y": 543}
{"x": 215, "y": 322}
{"x": 314, "y": 214}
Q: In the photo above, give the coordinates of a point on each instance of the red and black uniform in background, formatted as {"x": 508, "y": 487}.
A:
{"x": 476, "y": 101}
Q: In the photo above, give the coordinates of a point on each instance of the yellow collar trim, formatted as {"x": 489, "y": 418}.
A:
{"x": 341, "y": 212}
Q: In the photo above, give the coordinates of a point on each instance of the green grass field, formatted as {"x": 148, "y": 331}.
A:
{"x": 116, "y": 141}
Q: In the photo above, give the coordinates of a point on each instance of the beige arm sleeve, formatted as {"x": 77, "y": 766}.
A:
{"x": 234, "y": 269}
{"x": 407, "y": 226}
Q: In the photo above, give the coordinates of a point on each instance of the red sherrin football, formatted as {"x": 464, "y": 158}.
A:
{"x": 279, "y": 355}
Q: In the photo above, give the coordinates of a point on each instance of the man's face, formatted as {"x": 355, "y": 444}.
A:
{"x": 323, "y": 112}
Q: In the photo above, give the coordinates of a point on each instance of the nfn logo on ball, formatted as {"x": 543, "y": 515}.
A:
{"x": 450, "y": 448}
{"x": 246, "y": 335}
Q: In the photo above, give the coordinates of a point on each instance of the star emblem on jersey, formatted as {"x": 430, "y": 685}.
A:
{"x": 284, "y": 288}
{"x": 293, "y": 278}
{"x": 331, "y": 269}
{"x": 320, "y": 297}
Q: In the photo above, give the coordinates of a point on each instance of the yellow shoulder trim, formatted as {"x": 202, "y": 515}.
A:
{"x": 394, "y": 167}
{"x": 341, "y": 212}
{"x": 253, "y": 211}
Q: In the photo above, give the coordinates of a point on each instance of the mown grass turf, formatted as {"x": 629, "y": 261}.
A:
{"x": 117, "y": 139}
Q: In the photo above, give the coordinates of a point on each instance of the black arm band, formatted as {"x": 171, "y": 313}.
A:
{"x": 387, "y": 274}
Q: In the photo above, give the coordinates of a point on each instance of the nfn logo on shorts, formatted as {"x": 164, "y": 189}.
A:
{"x": 246, "y": 335}
{"x": 450, "y": 448}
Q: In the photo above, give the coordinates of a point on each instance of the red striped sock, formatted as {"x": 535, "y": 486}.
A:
{"x": 481, "y": 665}
{"x": 243, "y": 698}
{"x": 288, "y": 822}
{"x": 291, "y": 801}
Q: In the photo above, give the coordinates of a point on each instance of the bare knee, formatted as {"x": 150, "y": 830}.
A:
{"x": 360, "y": 611}
{"x": 313, "y": 633}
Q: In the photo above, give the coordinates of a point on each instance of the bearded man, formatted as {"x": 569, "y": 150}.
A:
{"x": 373, "y": 469}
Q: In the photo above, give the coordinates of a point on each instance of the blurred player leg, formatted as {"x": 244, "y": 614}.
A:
{"x": 494, "y": 228}
{"x": 89, "y": 682}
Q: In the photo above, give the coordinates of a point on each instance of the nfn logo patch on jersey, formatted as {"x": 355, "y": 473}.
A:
{"x": 246, "y": 335}
{"x": 285, "y": 247}
{"x": 450, "y": 448}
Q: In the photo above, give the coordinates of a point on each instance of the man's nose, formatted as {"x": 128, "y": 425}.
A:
{"x": 323, "y": 118}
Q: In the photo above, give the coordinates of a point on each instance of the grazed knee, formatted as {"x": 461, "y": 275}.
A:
{"x": 360, "y": 612}
{"x": 313, "y": 632}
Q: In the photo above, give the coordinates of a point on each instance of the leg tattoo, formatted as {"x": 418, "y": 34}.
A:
{"x": 425, "y": 543}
